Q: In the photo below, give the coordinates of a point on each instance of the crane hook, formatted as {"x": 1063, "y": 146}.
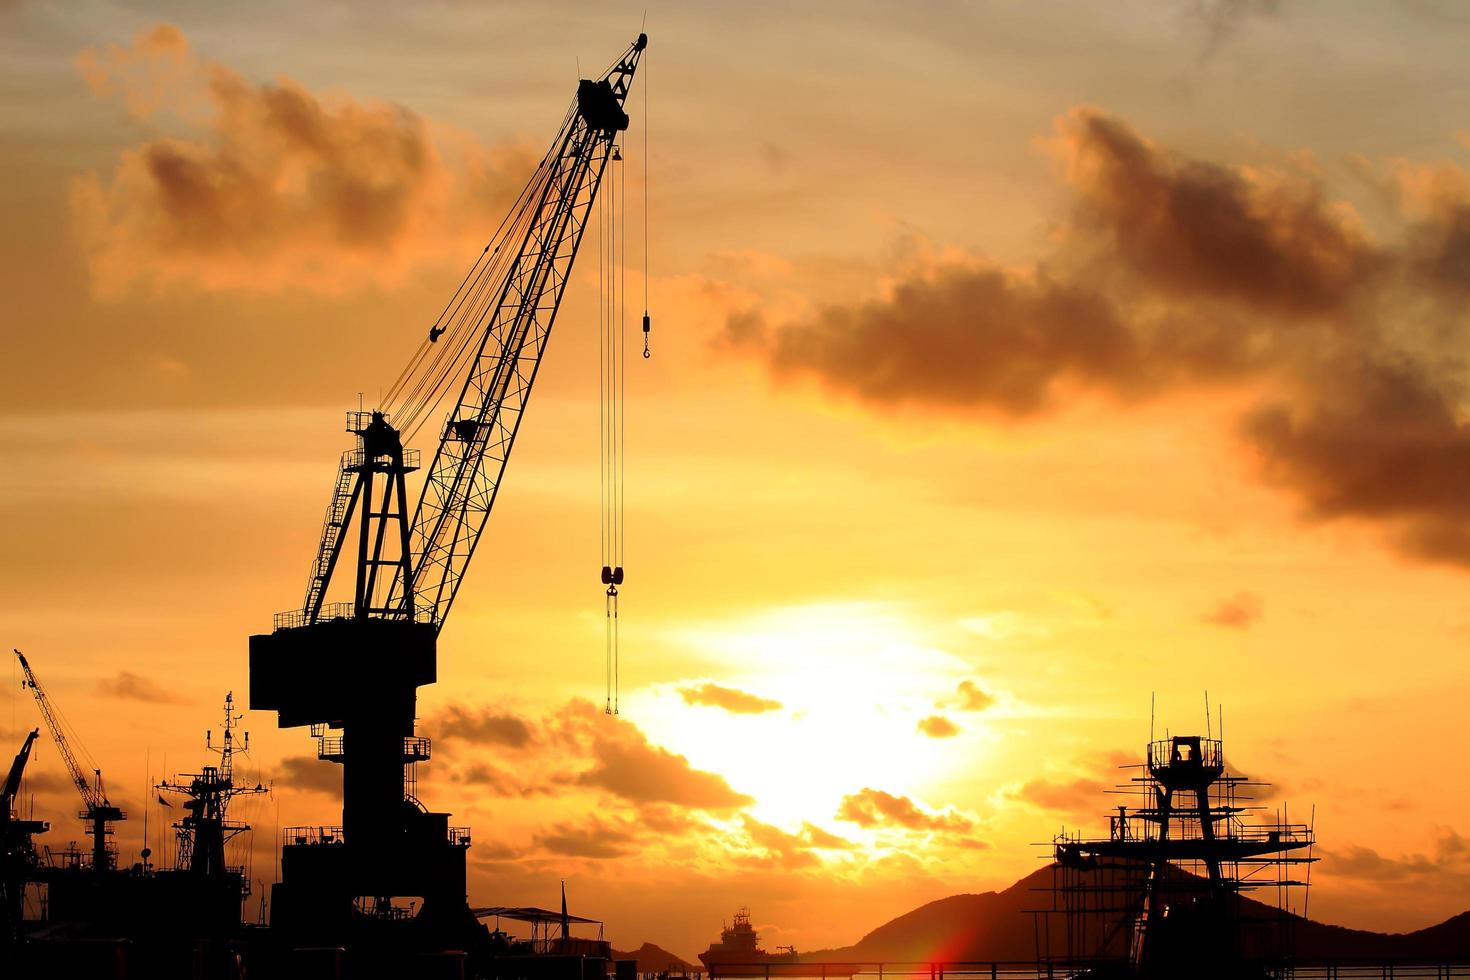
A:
{"x": 646, "y": 326}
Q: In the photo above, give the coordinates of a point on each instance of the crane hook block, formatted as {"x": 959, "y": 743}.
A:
{"x": 647, "y": 325}
{"x": 611, "y": 575}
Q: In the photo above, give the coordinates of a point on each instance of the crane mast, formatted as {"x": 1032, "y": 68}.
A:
{"x": 99, "y": 814}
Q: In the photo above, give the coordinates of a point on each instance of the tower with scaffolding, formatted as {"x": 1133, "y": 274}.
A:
{"x": 1166, "y": 892}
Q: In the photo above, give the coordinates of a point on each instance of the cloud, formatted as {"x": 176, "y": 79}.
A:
{"x": 972, "y": 697}
{"x": 822, "y": 839}
{"x": 1446, "y": 869}
{"x": 876, "y": 808}
{"x": 1170, "y": 273}
{"x": 1239, "y": 611}
{"x": 781, "y": 848}
{"x": 45, "y": 782}
{"x": 594, "y": 839}
{"x": 492, "y": 779}
{"x": 1222, "y": 19}
{"x": 1384, "y": 443}
{"x": 1081, "y": 795}
{"x": 938, "y": 726}
{"x": 730, "y": 699}
{"x": 272, "y": 186}
{"x": 486, "y": 726}
{"x": 310, "y": 775}
{"x": 970, "y": 336}
{"x": 1199, "y": 229}
{"x": 627, "y": 766}
{"x": 578, "y": 746}
{"x": 135, "y": 687}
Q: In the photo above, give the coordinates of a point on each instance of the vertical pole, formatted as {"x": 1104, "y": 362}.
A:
{"x": 405, "y": 552}
{"x": 365, "y": 476}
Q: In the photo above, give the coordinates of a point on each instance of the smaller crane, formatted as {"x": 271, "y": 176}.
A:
{"x": 17, "y": 852}
{"x": 100, "y": 814}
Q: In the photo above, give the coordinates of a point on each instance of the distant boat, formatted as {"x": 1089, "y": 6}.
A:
{"x": 738, "y": 954}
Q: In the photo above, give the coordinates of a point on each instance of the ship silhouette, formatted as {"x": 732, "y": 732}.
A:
{"x": 739, "y": 953}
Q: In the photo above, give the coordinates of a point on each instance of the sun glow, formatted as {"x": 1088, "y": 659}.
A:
{"x": 852, "y": 681}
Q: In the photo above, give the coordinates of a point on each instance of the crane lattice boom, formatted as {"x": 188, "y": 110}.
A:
{"x": 488, "y": 343}
{"x": 91, "y": 794}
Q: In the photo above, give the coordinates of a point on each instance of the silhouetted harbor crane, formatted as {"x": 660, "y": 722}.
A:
{"x": 17, "y": 847}
{"x": 354, "y": 667}
{"x": 99, "y": 814}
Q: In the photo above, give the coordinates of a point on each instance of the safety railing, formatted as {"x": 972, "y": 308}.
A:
{"x": 1165, "y": 752}
{"x": 307, "y": 836}
{"x": 416, "y": 748}
{"x": 354, "y": 460}
{"x": 459, "y": 836}
{"x": 292, "y": 618}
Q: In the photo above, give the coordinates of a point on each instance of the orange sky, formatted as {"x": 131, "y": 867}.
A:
{"x": 1011, "y": 363}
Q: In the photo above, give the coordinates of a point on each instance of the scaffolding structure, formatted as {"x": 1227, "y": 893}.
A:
{"x": 1193, "y": 879}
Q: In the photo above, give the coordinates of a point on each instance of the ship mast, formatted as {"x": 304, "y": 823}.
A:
{"x": 205, "y": 827}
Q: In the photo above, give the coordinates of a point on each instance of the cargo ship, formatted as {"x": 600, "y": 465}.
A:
{"x": 738, "y": 953}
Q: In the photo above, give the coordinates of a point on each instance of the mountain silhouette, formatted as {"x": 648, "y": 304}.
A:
{"x": 656, "y": 959}
{"x": 998, "y": 925}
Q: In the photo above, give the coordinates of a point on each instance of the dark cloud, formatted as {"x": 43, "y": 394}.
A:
{"x": 627, "y": 766}
{"x": 1199, "y": 229}
{"x": 281, "y": 187}
{"x": 135, "y": 687}
{"x": 577, "y": 747}
{"x": 1170, "y": 273}
{"x": 485, "y": 726}
{"x": 938, "y": 726}
{"x": 1383, "y": 442}
{"x": 1446, "y": 869}
{"x": 730, "y": 699}
{"x": 309, "y": 774}
{"x": 1239, "y": 611}
{"x": 45, "y": 782}
{"x": 492, "y": 779}
{"x": 976, "y": 337}
{"x": 594, "y": 839}
{"x": 876, "y": 808}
